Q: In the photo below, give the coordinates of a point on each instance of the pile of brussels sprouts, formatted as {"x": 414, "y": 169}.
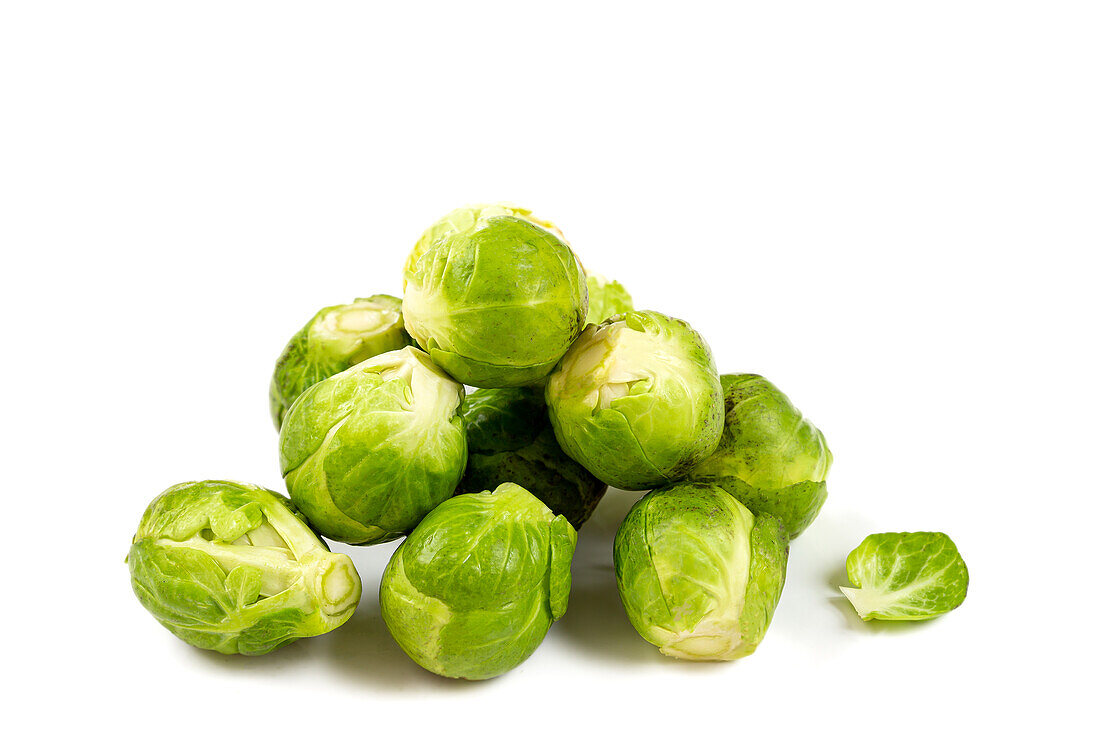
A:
{"x": 381, "y": 437}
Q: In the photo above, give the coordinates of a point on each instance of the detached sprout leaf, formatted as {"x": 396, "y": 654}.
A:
{"x": 906, "y": 576}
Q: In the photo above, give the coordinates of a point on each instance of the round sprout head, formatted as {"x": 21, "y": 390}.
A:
{"x": 636, "y": 400}
{"x": 769, "y": 457}
{"x": 473, "y": 590}
{"x": 234, "y": 568}
{"x": 698, "y": 574}
{"x": 495, "y": 303}
{"x": 335, "y": 339}
{"x": 511, "y": 440}
{"x": 366, "y": 453}
{"x": 606, "y": 298}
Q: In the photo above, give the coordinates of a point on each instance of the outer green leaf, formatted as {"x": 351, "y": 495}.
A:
{"x": 233, "y": 568}
{"x": 244, "y": 584}
{"x": 606, "y": 298}
{"x": 473, "y": 590}
{"x": 767, "y": 574}
{"x": 462, "y": 221}
{"x": 563, "y": 541}
{"x": 906, "y": 576}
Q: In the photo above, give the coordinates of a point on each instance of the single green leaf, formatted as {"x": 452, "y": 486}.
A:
{"x": 563, "y": 541}
{"x": 906, "y": 576}
{"x": 243, "y": 584}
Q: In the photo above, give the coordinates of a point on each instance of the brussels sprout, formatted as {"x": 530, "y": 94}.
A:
{"x": 606, "y": 298}
{"x": 234, "y": 568}
{"x": 698, "y": 574}
{"x": 510, "y": 440}
{"x": 637, "y": 400}
{"x": 473, "y": 590}
{"x": 906, "y": 576}
{"x": 336, "y": 338}
{"x": 497, "y": 303}
{"x": 366, "y": 453}
{"x": 769, "y": 457}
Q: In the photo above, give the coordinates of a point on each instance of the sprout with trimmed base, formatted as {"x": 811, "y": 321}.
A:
{"x": 234, "y": 568}
{"x": 769, "y": 457}
{"x": 368, "y": 452}
{"x": 637, "y": 400}
{"x": 335, "y": 339}
{"x": 906, "y": 576}
{"x": 473, "y": 590}
{"x": 494, "y": 299}
{"x": 698, "y": 574}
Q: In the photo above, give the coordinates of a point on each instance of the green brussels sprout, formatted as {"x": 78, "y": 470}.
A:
{"x": 234, "y": 568}
{"x": 906, "y": 576}
{"x": 473, "y": 590}
{"x": 637, "y": 400}
{"x": 366, "y": 453}
{"x": 335, "y": 339}
{"x": 510, "y": 440}
{"x": 769, "y": 457}
{"x": 606, "y": 298}
{"x": 497, "y": 303}
{"x": 698, "y": 574}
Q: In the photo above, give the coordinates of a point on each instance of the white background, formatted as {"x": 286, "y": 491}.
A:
{"x": 889, "y": 209}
